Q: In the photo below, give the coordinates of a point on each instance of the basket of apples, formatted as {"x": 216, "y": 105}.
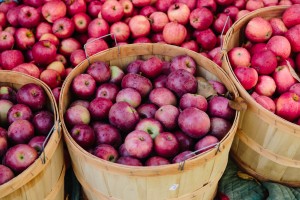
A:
{"x": 263, "y": 60}
{"x": 31, "y": 148}
{"x": 148, "y": 121}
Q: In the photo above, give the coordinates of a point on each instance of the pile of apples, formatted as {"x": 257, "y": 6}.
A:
{"x": 45, "y": 38}
{"x": 269, "y": 64}
{"x": 151, "y": 113}
{"x": 24, "y": 125}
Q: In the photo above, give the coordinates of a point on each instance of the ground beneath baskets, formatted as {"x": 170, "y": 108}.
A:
{"x": 233, "y": 185}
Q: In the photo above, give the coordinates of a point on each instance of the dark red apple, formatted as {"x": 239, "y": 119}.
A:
{"x": 84, "y": 135}
{"x": 106, "y": 152}
{"x": 108, "y": 91}
{"x": 162, "y": 96}
{"x": 218, "y": 106}
{"x": 7, "y": 41}
{"x": 183, "y": 156}
{"x": 185, "y": 141}
{"x": 28, "y": 17}
{"x": 166, "y": 145}
{"x": 9, "y": 59}
{"x": 93, "y": 9}
{"x": 206, "y": 39}
{"x": 167, "y": 115}
{"x": 6, "y": 174}
{"x": 20, "y": 132}
{"x": 183, "y": 62}
{"x": 99, "y": 108}
{"x": 107, "y": 134}
{"x": 63, "y": 27}
{"x": 142, "y": 84}
{"x": 43, "y": 52}
{"x": 147, "y": 110}
{"x": 100, "y": 71}
{"x": 206, "y": 143}
{"x": 219, "y": 127}
{"x": 193, "y": 100}
{"x": 43, "y": 121}
{"x": 156, "y": 161}
{"x": 129, "y": 161}
{"x": 134, "y": 66}
{"x": 37, "y": 142}
{"x": 19, "y": 111}
{"x": 84, "y": 86}
{"x": 75, "y": 6}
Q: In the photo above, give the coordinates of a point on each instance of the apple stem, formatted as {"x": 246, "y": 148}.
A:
{"x": 141, "y": 138}
{"x": 111, "y": 158}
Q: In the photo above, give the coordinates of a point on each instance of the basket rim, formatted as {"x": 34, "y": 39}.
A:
{"x": 279, "y": 121}
{"x": 37, "y": 166}
{"x": 211, "y": 153}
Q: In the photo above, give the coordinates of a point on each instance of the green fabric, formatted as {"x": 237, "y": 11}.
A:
{"x": 279, "y": 192}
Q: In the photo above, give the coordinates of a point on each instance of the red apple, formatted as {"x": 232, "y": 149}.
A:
{"x": 134, "y": 66}
{"x": 12, "y": 15}
{"x": 147, "y": 10}
{"x": 99, "y": 108}
{"x": 32, "y": 95}
{"x": 206, "y": 143}
{"x": 158, "y": 21}
{"x": 252, "y": 5}
{"x": 3, "y": 145}
{"x": 128, "y": 160}
{"x": 128, "y": 7}
{"x": 142, "y": 84}
{"x": 28, "y": 17}
{"x": 37, "y": 143}
{"x": 190, "y": 3}
{"x": 77, "y": 57}
{"x": 63, "y": 27}
{"x": 248, "y": 77}
{"x": 258, "y": 23}
{"x": 167, "y": 115}
{"x": 285, "y": 102}
{"x": 141, "y": 40}
{"x": 139, "y": 26}
{"x": 84, "y": 86}
{"x": 219, "y": 127}
{"x": 257, "y": 48}
{"x": 206, "y": 39}
{"x": 264, "y": 62}
{"x": 100, "y": 71}
{"x": 185, "y": 142}
{"x": 117, "y": 74}
{"x": 120, "y": 31}
{"x": 280, "y": 46}
{"x": 95, "y": 45}
{"x": 139, "y": 144}
{"x": 239, "y": 57}
{"x": 123, "y": 116}
{"x": 162, "y": 96}
{"x": 9, "y": 59}
{"x": 166, "y": 145}
{"x": 291, "y": 16}
{"x": 210, "y": 4}
{"x": 265, "y": 86}
{"x": 43, "y": 52}
{"x": 183, "y": 156}
{"x": 266, "y": 102}
{"x": 174, "y": 33}
{"x": 108, "y": 90}
{"x": 283, "y": 79}
{"x": 232, "y": 11}
{"x": 295, "y": 88}
{"x": 112, "y": 11}
{"x": 7, "y": 41}
{"x": 222, "y": 23}
{"x": 94, "y": 7}
{"x": 84, "y": 135}
{"x": 278, "y": 27}
{"x": 98, "y": 27}
{"x": 81, "y": 21}
{"x": 7, "y": 93}
{"x": 17, "y": 112}
{"x": 201, "y": 18}
{"x": 191, "y": 45}
{"x": 147, "y": 110}
{"x": 6, "y": 174}
{"x": 293, "y": 35}
{"x": 54, "y": 10}
{"x": 151, "y": 126}
{"x": 183, "y": 62}
{"x": 218, "y": 106}
{"x": 41, "y": 29}
{"x": 68, "y": 45}
{"x": 163, "y": 5}
{"x": 20, "y": 157}
{"x": 156, "y": 161}
{"x": 107, "y": 134}
{"x": 84, "y": 103}
{"x": 51, "y": 38}
{"x": 43, "y": 121}
{"x": 59, "y": 67}
{"x": 75, "y": 6}
{"x": 77, "y": 114}
{"x": 218, "y": 86}
{"x": 179, "y": 12}
{"x": 241, "y": 14}
{"x": 106, "y": 152}
{"x": 20, "y": 132}
{"x": 51, "y": 77}
{"x": 193, "y": 100}
{"x": 130, "y": 96}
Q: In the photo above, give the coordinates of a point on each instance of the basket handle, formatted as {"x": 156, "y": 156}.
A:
{"x": 56, "y": 126}
{"x": 294, "y": 74}
{"x": 111, "y": 34}
{"x": 182, "y": 163}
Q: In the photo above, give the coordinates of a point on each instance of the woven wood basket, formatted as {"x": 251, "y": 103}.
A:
{"x": 101, "y": 179}
{"x": 266, "y": 146}
{"x": 45, "y": 177}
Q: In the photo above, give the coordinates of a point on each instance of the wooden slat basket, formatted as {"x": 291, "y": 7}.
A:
{"x": 266, "y": 145}
{"x": 44, "y": 179}
{"x": 101, "y": 179}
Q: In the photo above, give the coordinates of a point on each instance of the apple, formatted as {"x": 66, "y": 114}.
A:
{"x": 139, "y": 26}
{"x": 76, "y": 115}
{"x": 120, "y": 31}
{"x": 128, "y": 7}
{"x": 106, "y": 152}
{"x": 56, "y": 93}
{"x": 116, "y": 74}
{"x": 183, "y": 156}
{"x": 12, "y": 15}
{"x": 156, "y": 161}
{"x": 266, "y": 102}
{"x": 151, "y": 126}
{"x": 75, "y": 6}
{"x": 17, "y": 112}
{"x": 123, "y": 116}
{"x": 129, "y": 161}
{"x": 84, "y": 135}
{"x": 218, "y": 106}
{"x": 241, "y": 14}
{"x": 6, "y": 174}
{"x": 107, "y": 134}
{"x": 37, "y": 142}
{"x": 43, "y": 121}
{"x": 206, "y": 143}
{"x": 265, "y": 85}
{"x": 158, "y": 20}
{"x": 134, "y": 66}
{"x": 248, "y": 77}
{"x": 7, "y": 41}
{"x": 280, "y": 46}
{"x": 219, "y": 127}
{"x": 141, "y": 40}
{"x": 84, "y": 86}
{"x": 167, "y": 115}
{"x": 179, "y": 12}
{"x": 63, "y": 27}
{"x": 151, "y": 67}
{"x": 95, "y": 45}
{"x": 147, "y": 10}
{"x": 9, "y": 59}
{"x": 7, "y": 5}
{"x": 20, "y": 132}
{"x": 28, "y": 17}
{"x": 166, "y": 145}
{"x": 291, "y": 16}
{"x": 232, "y": 11}
{"x": 30, "y": 68}
{"x": 191, "y": 45}
{"x": 257, "y": 48}
{"x": 283, "y": 79}
{"x": 252, "y": 5}
{"x": 8, "y": 93}
{"x": 77, "y": 57}
{"x": 162, "y": 96}
{"x": 285, "y": 2}
{"x": 174, "y": 33}
{"x": 239, "y": 57}
{"x": 210, "y": 4}
{"x": 57, "y": 66}
{"x": 264, "y": 62}
{"x": 190, "y": 3}
{"x": 194, "y": 122}
{"x": 99, "y": 108}
{"x": 193, "y": 100}
{"x": 181, "y": 81}
{"x": 293, "y": 36}
{"x": 278, "y": 27}
{"x": 222, "y": 23}
{"x": 183, "y": 62}
{"x": 185, "y": 141}
{"x": 160, "y": 81}
{"x": 32, "y": 95}
{"x": 270, "y": 2}
{"x": 112, "y": 11}
{"x": 206, "y": 39}
{"x": 5, "y": 105}
{"x": 42, "y": 28}
{"x": 50, "y": 37}
{"x": 84, "y": 103}
{"x": 289, "y": 61}
{"x": 68, "y": 45}
{"x": 122, "y": 151}
{"x": 130, "y": 96}
{"x": 54, "y": 10}
{"x": 108, "y": 90}
{"x": 147, "y": 110}
{"x": 100, "y": 71}
{"x": 97, "y": 28}
{"x": 43, "y": 52}
{"x": 3, "y": 132}
{"x": 218, "y": 86}
{"x": 81, "y": 21}
{"x": 286, "y": 101}
{"x": 295, "y": 88}
{"x": 51, "y": 77}
{"x": 139, "y": 144}
{"x": 142, "y": 84}
{"x": 258, "y": 23}
{"x": 201, "y": 18}
{"x": 93, "y": 8}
